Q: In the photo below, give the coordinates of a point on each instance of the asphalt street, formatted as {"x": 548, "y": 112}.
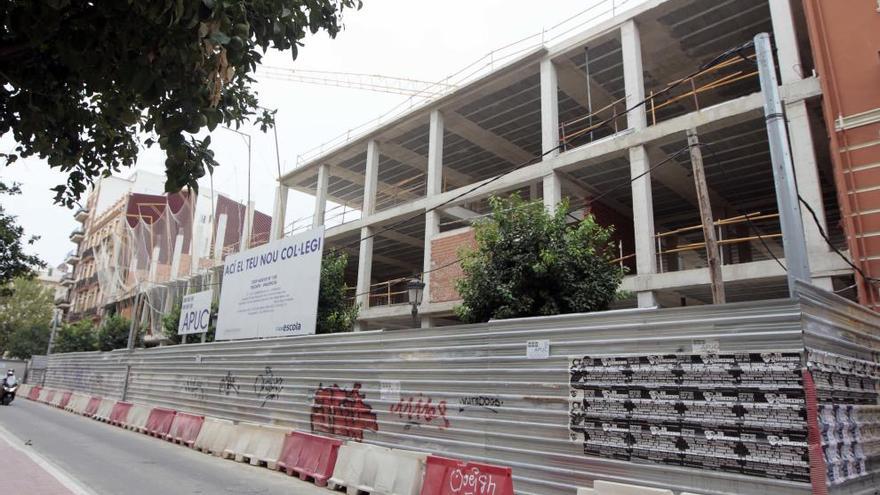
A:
{"x": 105, "y": 459}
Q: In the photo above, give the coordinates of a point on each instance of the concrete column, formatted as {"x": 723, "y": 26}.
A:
{"x": 786, "y": 41}
{"x": 371, "y": 177}
{"x": 803, "y": 155}
{"x": 175, "y": 256}
{"x": 365, "y": 267}
{"x": 533, "y": 191}
{"x": 643, "y": 221}
{"x": 549, "y": 109}
{"x": 633, "y": 75}
{"x": 279, "y": 210}
{"x": 432, "y": 218}
{"x": 220, "y": 237}
{"x": 321, "y": 195}
{"x": 247, "y": 232}
{"x": 552, "y": 191}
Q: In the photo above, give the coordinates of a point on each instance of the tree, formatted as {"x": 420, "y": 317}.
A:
{"x": 335, "y": 312}
{"x": 113, "y": 333}
{"x": 529, "y": 262}
{"x": 27, "y": 341}
{"x": 78, "y": 337}
{"x": 171, "y": 320}
{"x": 25, "y": 304}
{"x": 13, "y": 262}
{"x": 81, "y": 80}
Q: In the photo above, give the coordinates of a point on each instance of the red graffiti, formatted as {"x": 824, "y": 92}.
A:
{"x": 421, "y": 409}
{"x": 342, "y": 412}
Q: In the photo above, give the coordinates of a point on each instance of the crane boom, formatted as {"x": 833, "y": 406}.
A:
{"x": 368, "y": 82}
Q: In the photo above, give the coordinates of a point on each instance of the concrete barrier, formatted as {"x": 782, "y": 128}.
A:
{"x": 119, "y": 413}
{"x": 92, "y": 406}
{"x": 56, "y": 398}
{"x": 378, "y": 470}
{"x": 34, "y": 393}
{"x": 77, "y": 403}
{"x": 24, "y": 390}
{"x": 185, "y": 428}
{"x": 444, "y": 476}
{"x": 586, "y": 491}
{"x": 612, "y": 488}
{"x": 104, "y": 410}
{"x": 215, "y": 436}
{"x": 159, "y": 422}
{"x": 310, "y": 456}
{"x": 256, "y": 444}
{"x": 46, "y": 395}
{"x": 65, "y": 399}
{"x": 136, "y": 420}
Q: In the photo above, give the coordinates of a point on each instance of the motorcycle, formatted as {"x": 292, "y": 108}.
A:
{"x": 8, "y": 394}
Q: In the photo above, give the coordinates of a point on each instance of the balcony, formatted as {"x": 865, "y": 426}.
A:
{"x": 62, "y": 296}
{"x": 67, "y": 279}
{"x": 77, "y": 236}
{"x": 81, "y": 215}
{"x": 72, "y": 258}
{"x": 63, "y": 305}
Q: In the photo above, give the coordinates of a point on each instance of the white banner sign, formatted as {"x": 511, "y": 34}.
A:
{"x": 195, "y": 313}
{"x": 272, "y": 290}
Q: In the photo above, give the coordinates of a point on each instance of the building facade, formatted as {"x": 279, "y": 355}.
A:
{"x": 601, "y": 119}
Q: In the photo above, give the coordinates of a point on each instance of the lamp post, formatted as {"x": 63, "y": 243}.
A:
{"x": 415, "y": 289}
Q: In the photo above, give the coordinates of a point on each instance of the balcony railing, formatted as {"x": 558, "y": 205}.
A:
{"x": 77, "y": 235}
{"x": 72, "y": 258}
{"x": 81, "y": 214}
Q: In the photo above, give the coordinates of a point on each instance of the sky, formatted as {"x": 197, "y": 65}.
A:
{"x": 413, "y": 39}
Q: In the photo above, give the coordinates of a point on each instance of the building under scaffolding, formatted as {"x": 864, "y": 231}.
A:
{"x": 136, "y": 239}
{"x": 564, "y": 121}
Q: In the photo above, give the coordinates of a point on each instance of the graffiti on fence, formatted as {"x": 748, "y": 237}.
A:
{"x": 193, "y": 387}
{"x": 342, "y": 412}
{"x": 421, "y": 410}
{"x": 268, "y": 386}
{"x": 471, "y": 481}
{"x": 228, "y": 385}
{"x": 488, "y": 402}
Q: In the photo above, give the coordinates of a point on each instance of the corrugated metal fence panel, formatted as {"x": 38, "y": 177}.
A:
{"x": 476, "y": 395}
{"x": 93, "y": 373}
{"x": 839, "y": 334}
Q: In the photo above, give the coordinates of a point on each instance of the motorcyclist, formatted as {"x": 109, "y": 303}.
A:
{"x": 10, "y": 379}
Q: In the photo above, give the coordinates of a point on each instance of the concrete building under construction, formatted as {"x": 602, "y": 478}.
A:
{"x": 562, "y": 120}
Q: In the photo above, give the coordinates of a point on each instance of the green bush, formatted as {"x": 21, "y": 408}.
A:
{"x": 77, "y": 337}
{"x": 113, "y": 333}
{"x": 335, "y": 312}
{"x": 529, "y": 262}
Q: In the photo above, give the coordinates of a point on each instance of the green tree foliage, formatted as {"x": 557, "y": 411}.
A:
{"x": 78, "y": 337}
{"x": 335, "y": 312}
{"x": 25, "y": 306}
{"x": 171, "y": 320}
{"x": 113, "y": 333}
{"x": 13, "y": 261}
{"x": 27, "y": 341}
{"x": 529, "y": 262}
{"x": 81, "y": 80}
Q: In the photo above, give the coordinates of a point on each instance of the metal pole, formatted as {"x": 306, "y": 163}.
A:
{"x": 56, "y": 315}
{"x": 793, "y": 240}
{"x": 132, "y": 331}
{"x": 589, "y": 91}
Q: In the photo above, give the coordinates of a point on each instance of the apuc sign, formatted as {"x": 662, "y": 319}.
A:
{"x": 195, "y": 313}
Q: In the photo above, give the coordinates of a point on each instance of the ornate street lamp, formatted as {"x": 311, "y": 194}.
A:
{"x": 415, "y": 289}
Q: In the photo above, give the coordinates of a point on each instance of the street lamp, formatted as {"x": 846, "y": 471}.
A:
{"x": 415, "y": 289}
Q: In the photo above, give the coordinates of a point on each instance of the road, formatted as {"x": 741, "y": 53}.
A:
{"x": 105, "y": 459}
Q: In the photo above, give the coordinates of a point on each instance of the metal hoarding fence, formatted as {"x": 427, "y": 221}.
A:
{"x": 472, "y": 392}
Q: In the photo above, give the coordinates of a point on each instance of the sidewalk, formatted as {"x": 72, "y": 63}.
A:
{"x": 24, "y": 476}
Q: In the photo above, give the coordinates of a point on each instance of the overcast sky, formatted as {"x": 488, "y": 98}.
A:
{"x": 404, "y": 38}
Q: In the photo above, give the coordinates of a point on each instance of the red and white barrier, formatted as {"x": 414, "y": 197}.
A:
{"x": 185, "y": 429}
